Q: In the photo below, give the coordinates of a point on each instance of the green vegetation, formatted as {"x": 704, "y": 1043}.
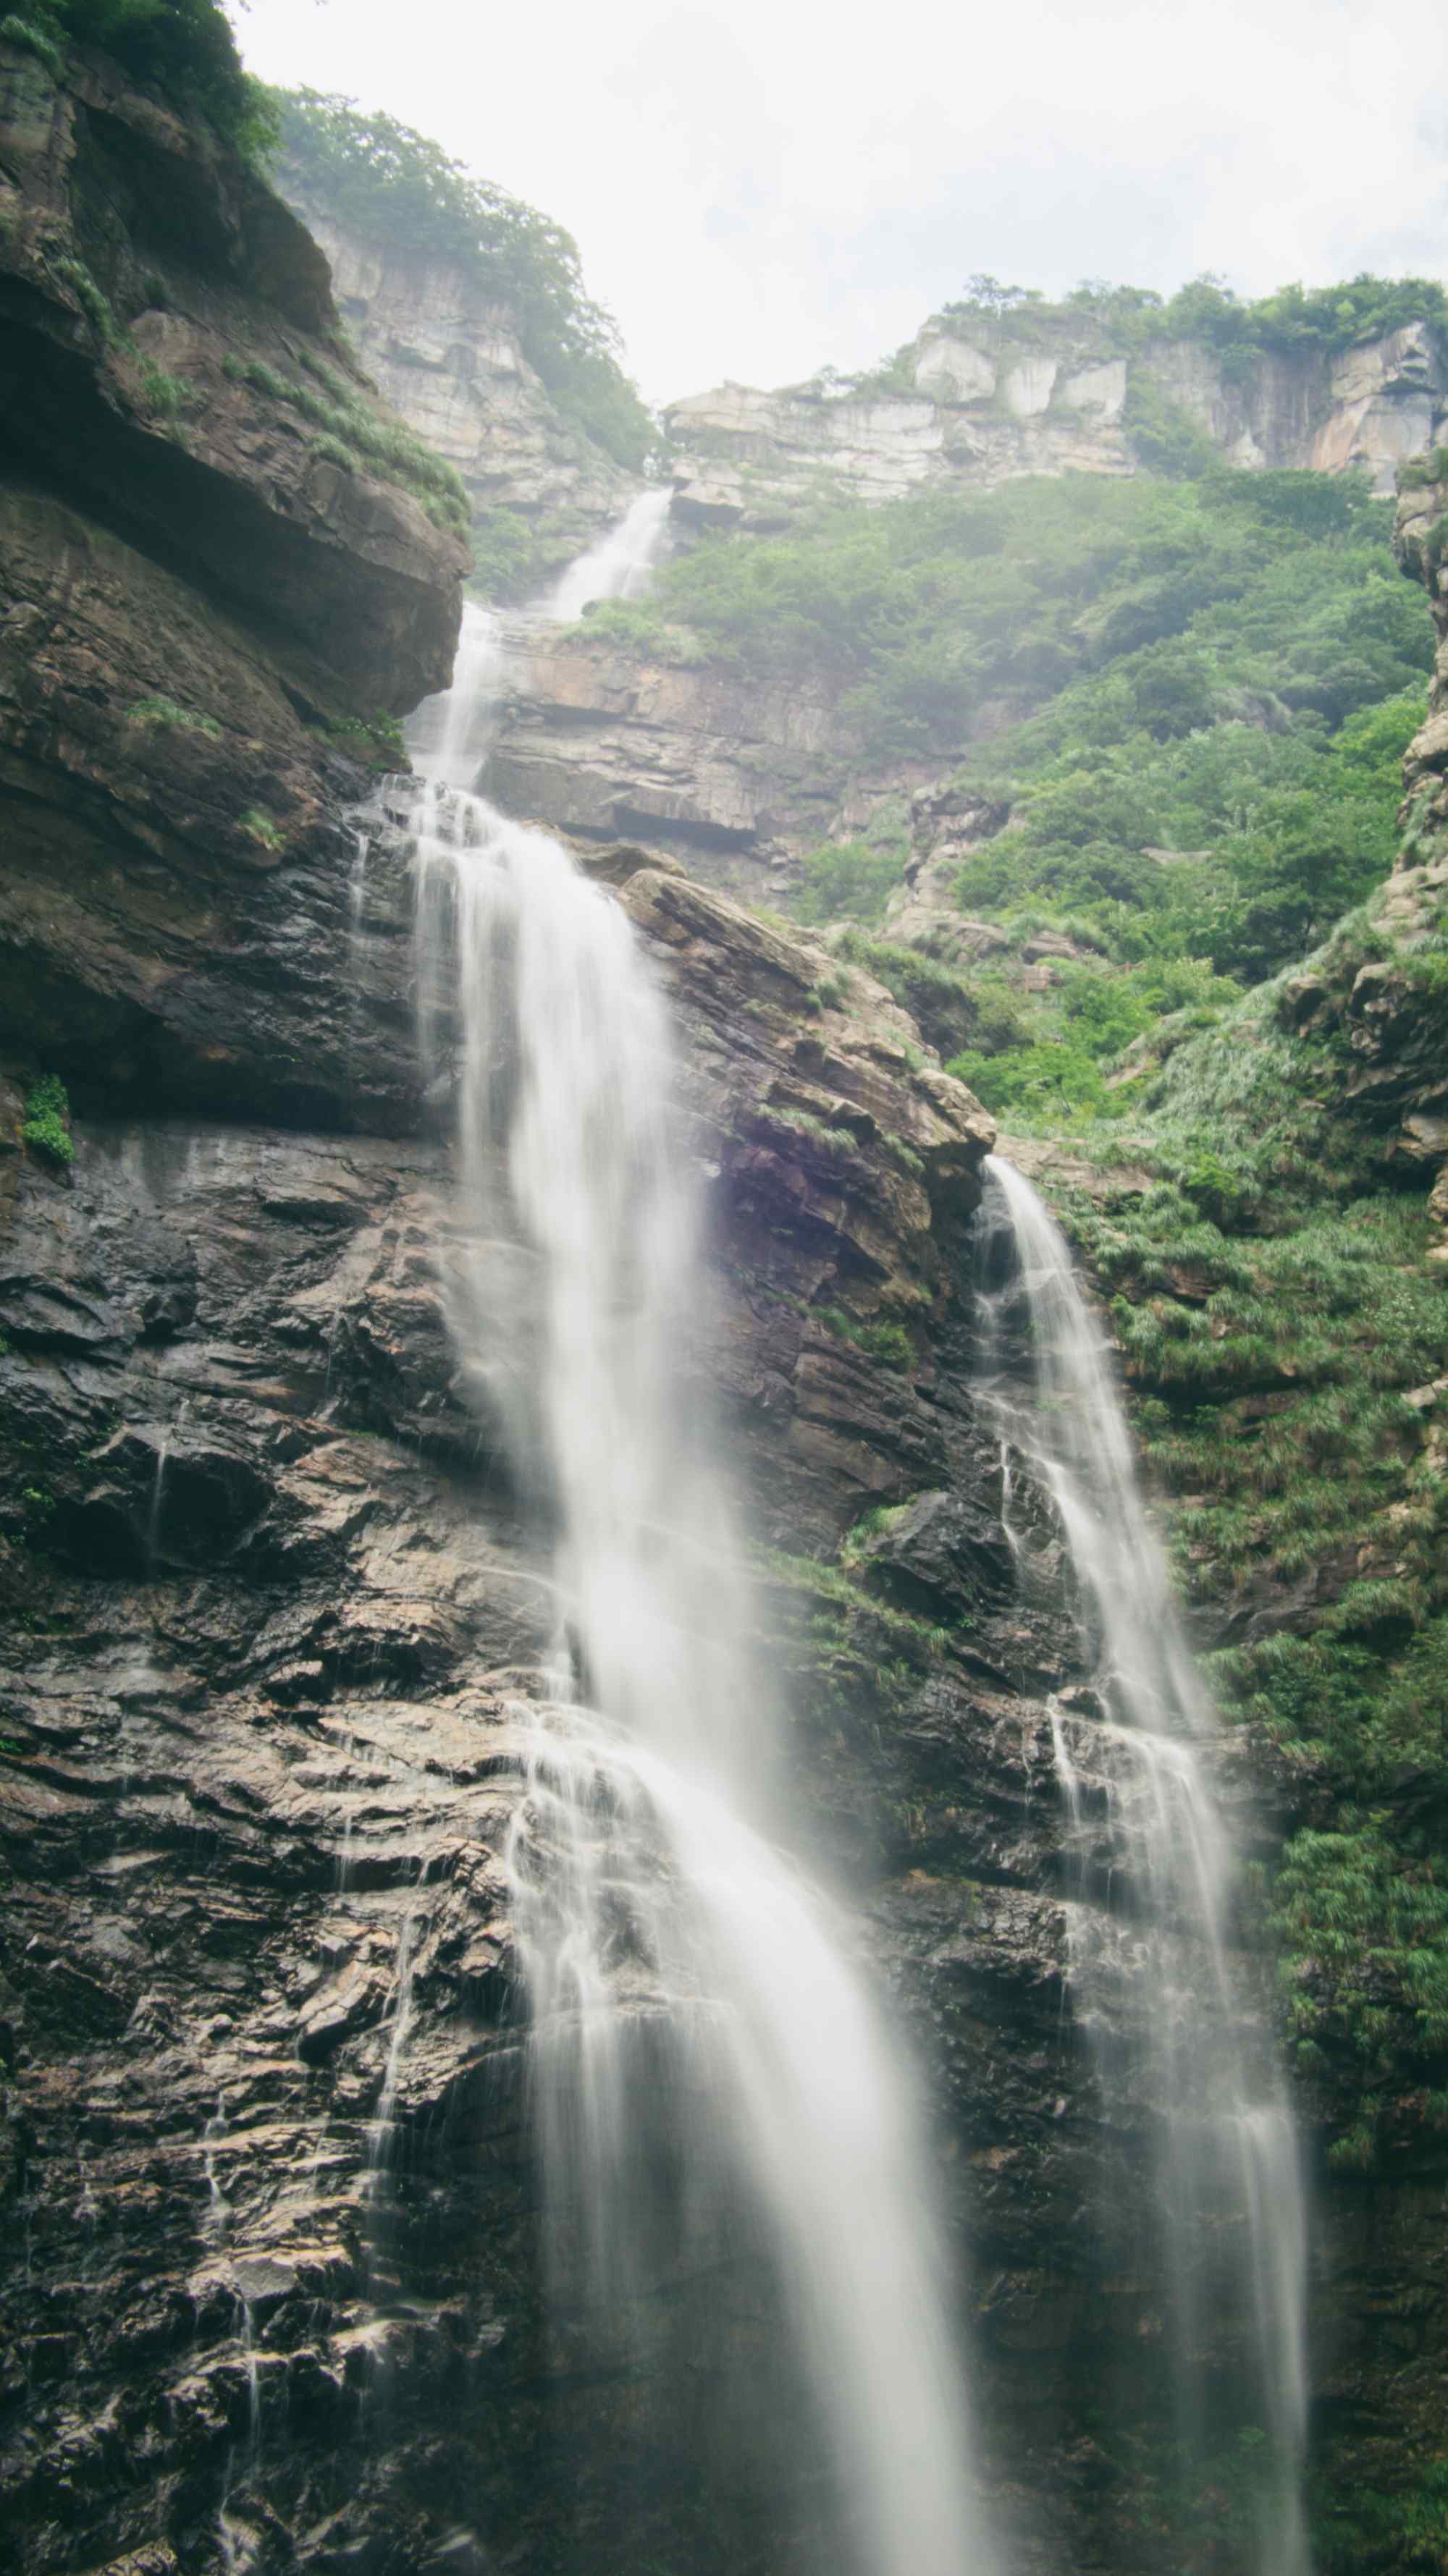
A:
{"x": 95, "y": 303}
{"x": 165, "y": 394}
{"x": 837, "y": 1585}
{"x": 184, "y": 48}
{"x": 1329, "y": 318}
{"x": 1098, "y": 625}
{"x": 34, "y": 38}
{"x": 890, "y": 1344}
{"x": 1207, "y": 689}
{"x": 1365, "y": 2527}
{"x": 1421, "y": 471}
{"x": 853, "y": 880}
{"x": 262, "y": 826}
{"x": 508, "y": 562}
{"x": 358, "y": 438}
{"x": 376, "y": 741}
{"x": 45, "y": 1127}
{"x": 153, "y": 713}
{"x": 391, "y": 185}
{"x": 1286, "y": 1334}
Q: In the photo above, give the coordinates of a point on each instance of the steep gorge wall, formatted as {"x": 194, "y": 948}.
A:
{"x": 450, "y": 362}
{"x": 269, "y": 1594}
{"x": 272, "y": 1599}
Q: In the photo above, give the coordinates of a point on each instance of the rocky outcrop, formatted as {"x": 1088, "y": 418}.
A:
{"x": 450, "y": 362}
{"x": 157, "y": 305}
{"x": 734, "y": 776}
{"x": 1420, "y": 540}
{"x": 980, "y": 403}
{"x": 1386, "y": 1004}
{"x": 205, "y": 616}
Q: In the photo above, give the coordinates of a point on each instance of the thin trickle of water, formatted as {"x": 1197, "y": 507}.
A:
{"x": 1153, "y": 1969}
{"x": 381, "y": 2128}
{"x": 158, "y": 1496}
{"x": 238, "y": 2540}
{"x": 707, "y": 2065}
{"x": 218, "y": 2207}
{"x": 158, "y": 1492}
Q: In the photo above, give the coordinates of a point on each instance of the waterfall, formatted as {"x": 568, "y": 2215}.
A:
{"x": 619, "y": 566}
{"x": 1153, "y": 1972}
{"x": 448, "y": 736}
{"x": 710, "y": 2072}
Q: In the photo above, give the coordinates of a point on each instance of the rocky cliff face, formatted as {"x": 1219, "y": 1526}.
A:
{"x": 271, "y": 2243}
{"x": 450, "y": 363}
{"x": 731, "y": 776}
{"x": 742, "y": 780}
{"x": 205, "y": 610}
{"x": 979, "y": 406}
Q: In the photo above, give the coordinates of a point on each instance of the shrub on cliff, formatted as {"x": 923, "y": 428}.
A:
{"x": 391, "y": 186}
{"x": 185, "y": 48}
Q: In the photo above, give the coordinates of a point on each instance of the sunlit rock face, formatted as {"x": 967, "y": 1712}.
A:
{"x": 725, "y": 773}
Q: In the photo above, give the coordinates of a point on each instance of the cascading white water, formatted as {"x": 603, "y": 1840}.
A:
{"x": 1230, "y": 2186}
{"x": 620, "y": 566}
{"x": 448, "y": 736}
{"x": 682, "y": 1974}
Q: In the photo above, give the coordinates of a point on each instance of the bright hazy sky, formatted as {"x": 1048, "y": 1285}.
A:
{"x": 762, "y": 189}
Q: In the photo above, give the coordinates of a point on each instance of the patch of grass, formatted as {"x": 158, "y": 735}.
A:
{"x": 93, "y": 300}
{"x": 888, "y": 1343}
{"x": 359, "y": 439}
{"x": 168, "y": 396}
{"x": 335, "y": 451}
{"x": 33, "y": 39}
{"x": 835, "y": 1584}
{"x": 152, "y": 714}
{"x": 263, "y": 827}
{"x": 45, "y": 1126}
{"x": 377, "y": 741}
{"x": 802, "y": 1122}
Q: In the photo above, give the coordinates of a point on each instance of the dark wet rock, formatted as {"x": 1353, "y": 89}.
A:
{"x": 137, "y": 252}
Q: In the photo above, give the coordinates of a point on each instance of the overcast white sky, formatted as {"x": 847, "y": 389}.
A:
{"x": 759, "y": 190}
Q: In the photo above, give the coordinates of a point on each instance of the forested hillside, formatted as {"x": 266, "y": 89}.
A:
{"x": 1186, "y": 704}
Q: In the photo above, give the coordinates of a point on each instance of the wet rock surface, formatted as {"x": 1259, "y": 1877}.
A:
{"x": 274, "y": 1609}
{"x": 275, "y": 1614}
{"x": 155, "y": 302}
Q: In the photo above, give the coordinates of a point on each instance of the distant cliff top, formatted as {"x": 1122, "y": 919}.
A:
{"x": 1112, "y": 380}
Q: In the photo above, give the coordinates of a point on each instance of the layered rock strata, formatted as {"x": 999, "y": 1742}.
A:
{"x": 450, "y": 362}
{"x": 273, "y": 1602}
{"x": 981, "y": 405}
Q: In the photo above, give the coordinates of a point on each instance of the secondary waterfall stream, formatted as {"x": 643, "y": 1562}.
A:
{"x": 1153, "y": 1973}
{"x": 711, "y": 2074}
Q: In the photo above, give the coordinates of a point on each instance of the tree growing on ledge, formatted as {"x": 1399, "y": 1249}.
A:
{"x": 185, "y": 48}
